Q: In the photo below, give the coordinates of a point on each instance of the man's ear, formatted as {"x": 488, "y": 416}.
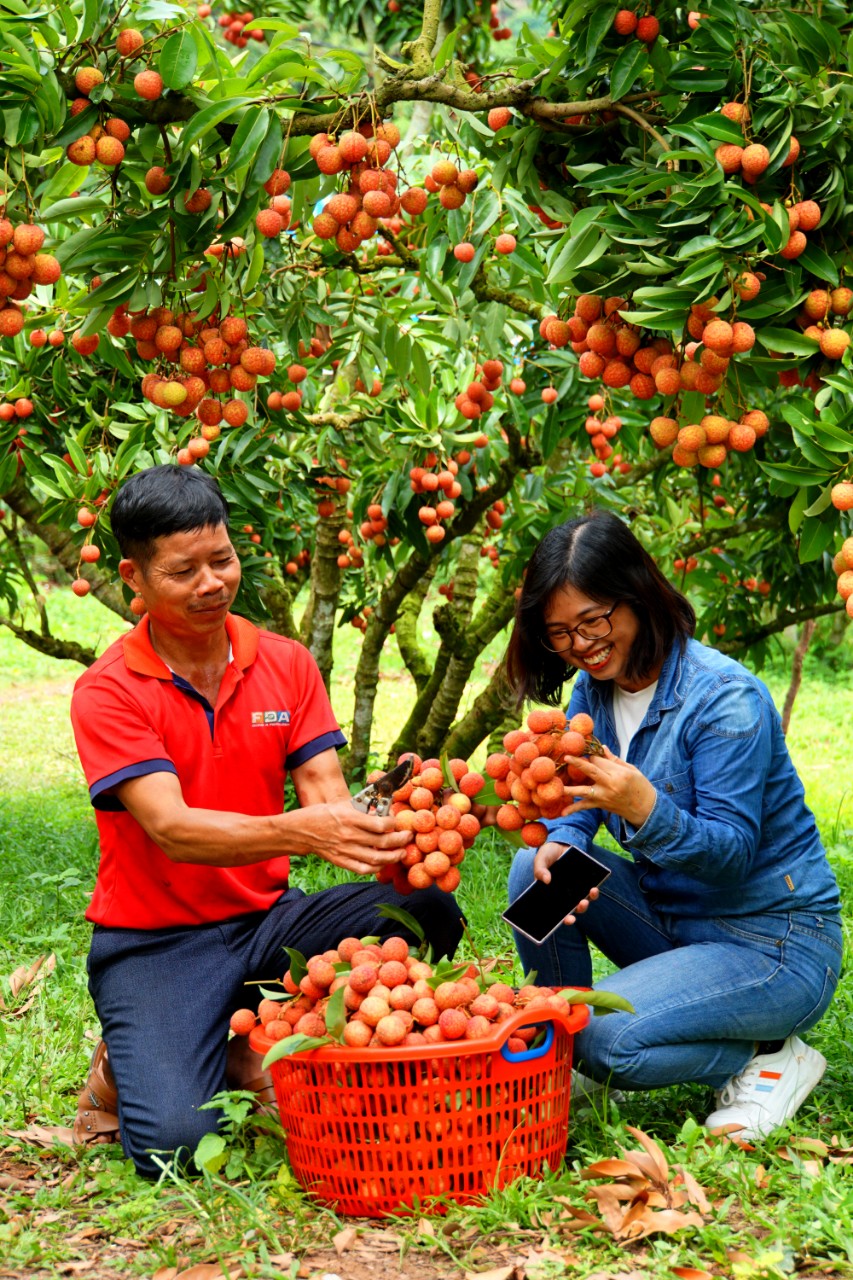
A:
{"x": 130, "y": 574}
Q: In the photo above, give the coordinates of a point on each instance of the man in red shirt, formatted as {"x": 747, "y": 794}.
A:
{"x": 187, "y": 728}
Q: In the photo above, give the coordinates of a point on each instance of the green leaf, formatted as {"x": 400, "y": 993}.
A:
{"x": 790, "y": 474}
{"x": 336, "y": 1015}
{"x": 178, "y": 59}
{"x": 818, "y": 263}
{"x": 626, "y": 67}
{"x": 601, "y": 1001}
{"x": 408, "y": 921}
{"x": 293, "y": 1044}
{"x": 249, "y": 135}
{"x": 298, "y": 965}
{"x": 210, "y": 1154}
{"x": 600, "y": 22}
{"x": 208, "y": 118}
{"x": 815, "y": 537}
{"x": 420, "y": 368}
{"x": 787, "y": 342}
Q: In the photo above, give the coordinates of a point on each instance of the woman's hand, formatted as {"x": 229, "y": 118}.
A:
{"x": 612, "y": 784}
{"x": 546, "y": 856}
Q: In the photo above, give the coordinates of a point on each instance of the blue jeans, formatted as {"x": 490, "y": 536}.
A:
{"x": 705, "y": 991}
{"x": 164, "y": 997}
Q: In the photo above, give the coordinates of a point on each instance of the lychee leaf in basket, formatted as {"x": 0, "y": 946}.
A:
{"x": 293, "y": 1044}
{"x": 601, "y": 1001}
{"x": 298, "y": 964}
{"x": 402, "y": 917}
{"x": 336, "y": 1016}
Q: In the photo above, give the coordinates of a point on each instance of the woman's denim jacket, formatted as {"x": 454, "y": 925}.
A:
{"x": 730, "y": 832}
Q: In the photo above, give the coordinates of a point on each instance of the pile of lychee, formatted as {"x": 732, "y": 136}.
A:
{"x": 441, "y": 828}
{"x": 22, "y": 266}
{"x": 842, "y": 563}
{"x": 531, "y": 774}
{"x": 391, "y": 998}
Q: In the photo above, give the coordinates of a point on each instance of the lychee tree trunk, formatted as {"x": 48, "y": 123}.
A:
{"x": 450, "y": 621}
{"x": 406, "y": 631}
{"x": 318, "y": 622}
{"x": 279, "y": 601}
{"x": 520, "y": 459}
{"x": 492, "y": 707}
{"x": 797, "y": 671}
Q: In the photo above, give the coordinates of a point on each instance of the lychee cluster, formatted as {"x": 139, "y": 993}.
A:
{"x": 211, "y": 362}
{"x": 531, "y": 774}
{"x": 478, "y": 397}
{"x": 494, "y": 522}
{"x": 291, "y": 399}
{"x": 451, "y": 184}
{"x": 498, "y": 30}
{"x": 842, "y": 563}
{"x": 22, "y": 267}
{"x": 353, "y": 215}
{"x": 439, "y": 831}
{"x": 232, "y": 28}
{"x": 391, "y": 998}
{"x": 645, "y": 29}
{"x": 20, "y": 408}
{"x": 601, "y": 432}
{"x": 820, "y": 309}
{"x": 708, "y": 442}
{"x": 425, "y": 480}
{"x": 275, "y": 218}
{"x": 609, "y": 348}
{"x": 103, "y": 144}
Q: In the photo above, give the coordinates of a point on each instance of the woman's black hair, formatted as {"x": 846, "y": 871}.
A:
{"x": 163, "y": 500}
{"x": 599, "y": 556}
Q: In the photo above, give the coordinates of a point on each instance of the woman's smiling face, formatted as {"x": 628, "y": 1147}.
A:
{"x": 605, "y": 658}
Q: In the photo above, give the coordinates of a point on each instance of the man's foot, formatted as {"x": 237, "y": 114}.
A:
{"x": 97, "y": 1106}
{"x": 585, "y": 1089}
{"x": 769, "y": 1090}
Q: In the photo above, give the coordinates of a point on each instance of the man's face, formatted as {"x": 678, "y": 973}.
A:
{"x": 189, "y": 583}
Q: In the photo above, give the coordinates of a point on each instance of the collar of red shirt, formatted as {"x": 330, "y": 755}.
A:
{"x": 140, "y": 655}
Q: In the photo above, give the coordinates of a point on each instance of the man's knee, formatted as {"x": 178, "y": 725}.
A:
{"x": 170, "y": 1137}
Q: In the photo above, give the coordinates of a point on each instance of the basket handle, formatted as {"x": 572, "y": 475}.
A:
{"x": 529, "y": 1055}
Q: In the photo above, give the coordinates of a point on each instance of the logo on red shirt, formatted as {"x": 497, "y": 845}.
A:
{"x": 261, "y": 719}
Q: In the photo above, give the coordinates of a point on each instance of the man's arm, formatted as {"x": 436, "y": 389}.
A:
{"x": 326, "y": 824}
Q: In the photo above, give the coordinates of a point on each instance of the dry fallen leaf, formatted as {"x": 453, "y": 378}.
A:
{"x": 165, "y": 1273}
{"x": 695, "y": 1193}
{"x": 40, "y": 1135}
{"x": 691, "y": 1273}
{"x": 344, "y": 1240}
{"x": 206, "y": 1271}
{"x": 23, "y": 977}
{"x": 612, "y": 1169}
{"x": 653, "y": 1150}
{"x": 496, "y": 1273}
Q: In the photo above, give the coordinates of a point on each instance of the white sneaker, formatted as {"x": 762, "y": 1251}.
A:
{"x": 769, "y": 1090}
{"x": 585, "y": 1089}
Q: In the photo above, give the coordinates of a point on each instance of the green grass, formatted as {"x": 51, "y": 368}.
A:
{"x": 783, "y": 1216}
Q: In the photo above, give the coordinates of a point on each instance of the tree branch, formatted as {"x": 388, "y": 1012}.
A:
{"x": 782, "y": 620}
{"x": 51, "y": 645}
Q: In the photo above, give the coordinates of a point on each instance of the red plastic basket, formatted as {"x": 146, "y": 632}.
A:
{"x": 370, "y": 1132}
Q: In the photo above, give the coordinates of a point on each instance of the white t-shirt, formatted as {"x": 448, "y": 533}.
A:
{"x": 629, "y": 710}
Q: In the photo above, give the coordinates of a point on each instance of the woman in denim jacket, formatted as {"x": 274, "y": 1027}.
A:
{"x": 724, "y": 921}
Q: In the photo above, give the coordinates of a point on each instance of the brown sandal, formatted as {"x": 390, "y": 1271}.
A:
{"x": 97, "y": 1107}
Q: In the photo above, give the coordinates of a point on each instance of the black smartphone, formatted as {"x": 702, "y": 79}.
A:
{"x": 543, "y": 907}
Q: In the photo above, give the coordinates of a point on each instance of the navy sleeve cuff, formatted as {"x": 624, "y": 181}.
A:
{"x": 99, "y": 792}
{"x": 313, "y": 748}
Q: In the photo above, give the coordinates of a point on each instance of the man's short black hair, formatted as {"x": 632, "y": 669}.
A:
{"x": 598, "y": 555}
{"x": 163, "y": 500}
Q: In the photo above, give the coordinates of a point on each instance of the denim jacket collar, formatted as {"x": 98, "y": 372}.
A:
{"x": 669, "y": 693}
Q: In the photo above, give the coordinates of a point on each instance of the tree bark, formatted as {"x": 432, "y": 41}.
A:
{"x": 279, "y": 600}
{"x": 490, "y": 708}
{"x": 52, "y": 645}
{"x": 60, "y": 542}
{"x": 318, "y": 623}
{"x": 406, "y": 631}
{"x": 797, "y": 671}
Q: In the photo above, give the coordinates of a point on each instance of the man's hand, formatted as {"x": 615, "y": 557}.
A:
{"x": 348, "y": 838}
{"x": 612, "y": 784}
{"x": 546, "y": 856}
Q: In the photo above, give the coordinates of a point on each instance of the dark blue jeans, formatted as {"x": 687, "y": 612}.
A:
{"x": 164, "y": 997}
{"x": 705, "y": 989}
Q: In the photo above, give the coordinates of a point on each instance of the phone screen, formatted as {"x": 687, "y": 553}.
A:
{"x": 542, "y": 908}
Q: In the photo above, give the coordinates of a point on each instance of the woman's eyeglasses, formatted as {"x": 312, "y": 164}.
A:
{"x": 560, "y": 641}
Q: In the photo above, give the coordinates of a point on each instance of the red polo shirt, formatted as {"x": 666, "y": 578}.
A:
{"x": 132, "y": 716}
